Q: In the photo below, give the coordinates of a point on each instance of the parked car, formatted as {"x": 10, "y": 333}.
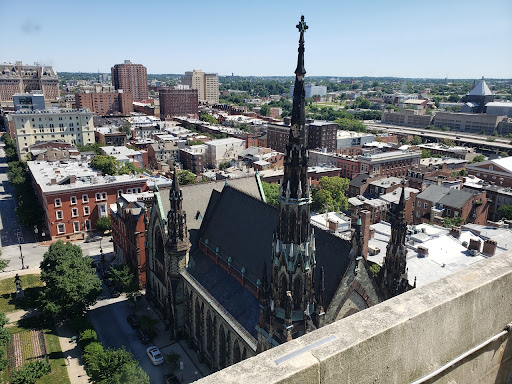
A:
{"x": 114, "y": 293}
{"x": 170, "y": 378}
{"x": 134, "y": 322}
{"x": 93, "y": 239}
{"x": 154, "y": 355}
{"x": 143, "y": 336}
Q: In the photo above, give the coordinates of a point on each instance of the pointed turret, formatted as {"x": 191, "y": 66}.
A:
{"x": 177, "y": 239}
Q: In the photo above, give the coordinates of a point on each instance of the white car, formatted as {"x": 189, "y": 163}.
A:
{"x": 154, "y": 355}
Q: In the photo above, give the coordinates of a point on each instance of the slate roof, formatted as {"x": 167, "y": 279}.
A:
{"x": 481, "y": 89}
{"x": 446, "y": 196}
{"x": 242, "y": 227}
{"x": 237, "y": 300}
{"x": 359, "y": 180}
{"x": 197, "y": 196}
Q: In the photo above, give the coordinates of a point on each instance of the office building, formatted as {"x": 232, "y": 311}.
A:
{"x": 207, "y": 85}
{"x": 22, "y": 78}
{"x": 131, "y": 78}
{"x": 312, "y": 90}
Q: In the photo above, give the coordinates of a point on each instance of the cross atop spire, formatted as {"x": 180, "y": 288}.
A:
{"x": 302, "y": 25}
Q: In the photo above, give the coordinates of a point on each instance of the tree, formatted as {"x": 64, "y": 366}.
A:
{"x": 108, "y": 364}
{"x": 425, "y": 154}
{"x": 173, "y": 360}
{"x": 404, "y": 141}
{"x": 104, "y": 224}
{"x": 186, "y": 177}
{"x": 71, "y": 283}
{"x": 126, "y": 128}
{"x": 106, "y": 164}
{"x": 208, "y": 118}
{"x": 123, "y": 278}
{"x": 3, "y": 264}
{"x": 130, "y": 373}
{"x": 224, "y": 165}
{"x": 330, "y": 194}
{"x": 449, "y": 222}
{"x": 478, "y": 159}
{"x": 505, "y": 212}
{"x": 416, "y": 140}
{"x": 350, "y": 124}
{"x": 265, "y": 110}
{"x": 271, "y": 192}
{"x": 448, "y": 142}
{"x": 503, "y": 154}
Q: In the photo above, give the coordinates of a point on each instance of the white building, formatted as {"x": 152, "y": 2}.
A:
{"x": 123, "y": 154}
{"x": 312, "y": 90}
{"x": 499, "y": 108}
{"x": 348, "y": 139}
{"x": 74, "y": 126}
{"x": 221, "y": 150}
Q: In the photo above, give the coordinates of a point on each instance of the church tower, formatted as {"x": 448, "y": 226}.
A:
{"x": 288, "y": 305}
{"x": 392, "y": 279}
{"x": 177, "y": 249}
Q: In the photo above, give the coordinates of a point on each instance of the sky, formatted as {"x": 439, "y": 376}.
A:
{"x": 376, "y": 38}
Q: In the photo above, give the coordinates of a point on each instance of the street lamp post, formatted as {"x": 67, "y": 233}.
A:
{"x": 35, "y": 232}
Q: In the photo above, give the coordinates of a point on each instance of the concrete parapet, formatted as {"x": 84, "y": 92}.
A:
{"x": 402, "y": 339}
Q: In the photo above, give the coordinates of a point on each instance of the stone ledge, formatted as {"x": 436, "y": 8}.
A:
{"x": 405, "y": 338}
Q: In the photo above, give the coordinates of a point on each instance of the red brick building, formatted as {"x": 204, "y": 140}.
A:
{"x": 105, "y": 103}
{"x": 131, "y": 78}
{"x": 178, "y": 102}
{"x": 436, "y": 203}
{"x": 74, "y": 196}
{"x": 128, "y": 232}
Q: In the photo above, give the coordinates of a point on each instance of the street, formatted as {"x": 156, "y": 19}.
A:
{"x": 32, "y": 252}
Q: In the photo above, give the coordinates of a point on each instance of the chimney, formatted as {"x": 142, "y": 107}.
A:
{"x": 53, "y": 181}
{"x": 72, "y": 179}
{"x": 365, "y": 231}
{"x": 474, "y": 244}
{"x": 490, "y": 247}
{"x": 455, "y": 231}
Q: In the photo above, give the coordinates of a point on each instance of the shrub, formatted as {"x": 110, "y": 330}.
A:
{"x": 29, "y": 373}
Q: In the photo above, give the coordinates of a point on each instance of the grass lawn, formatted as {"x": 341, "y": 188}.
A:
{"x": 59, "y": 374}
{"x": 31, "y": 285}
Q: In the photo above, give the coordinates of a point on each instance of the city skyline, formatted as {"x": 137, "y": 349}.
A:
{"x": 399, "y": 39}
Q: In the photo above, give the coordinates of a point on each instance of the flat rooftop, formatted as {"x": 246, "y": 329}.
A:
{"x": 57, "y": 176}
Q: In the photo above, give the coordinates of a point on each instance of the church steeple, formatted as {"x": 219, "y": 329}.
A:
{"x": 177, "y": 239}
{"x": 392, "y": 277}
{"x": 291, "y": 297}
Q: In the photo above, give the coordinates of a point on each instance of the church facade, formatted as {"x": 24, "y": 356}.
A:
{"x": 235, "y": 276}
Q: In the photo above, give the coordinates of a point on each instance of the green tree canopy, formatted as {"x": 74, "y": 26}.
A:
{"x": 416, "y": 140}
{"x": 224, "y": 165}
{"x": 106, "y": 164}
{"x": 265, "y": 110}
{"x": 425, "y": 154}
{"x": 330, "y": 194}
{"x": 104, "y": 224}
{"x": 505, "y": 212}
{"x": 449, "y": 222}
{"x": 271, "y": 192}
{"x": 350, "y": 124}
{"x": 186, "y": 177}
{"x": 208, "y": 118}
{"x": 123, "y": 278}
{"x": 71, "y": 283}
{"x": 478, "y": 159}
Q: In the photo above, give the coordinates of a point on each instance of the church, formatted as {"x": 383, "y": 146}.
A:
{"x": 235, "y": 276}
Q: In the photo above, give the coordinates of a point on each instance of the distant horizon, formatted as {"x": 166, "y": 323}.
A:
{"x": 400, "y": 39}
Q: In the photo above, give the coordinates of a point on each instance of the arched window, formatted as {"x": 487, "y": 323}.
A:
{"x": 198, "y": 320}
{"x": 282, "y": 290}
{"x": 297, "y": 293}
{"x": 236, "y": 353}
{"x": 209, "y": 333}
{"x": 222, "y": 348}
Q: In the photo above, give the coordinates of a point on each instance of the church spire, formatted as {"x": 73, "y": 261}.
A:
{"x": 393, "y": 274}
{"x": 176, "y": 217}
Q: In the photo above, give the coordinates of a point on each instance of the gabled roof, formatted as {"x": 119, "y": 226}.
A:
{"x": 446, "y": 196}
{"x": 359, "y": 180}
{"x": 242, "y": 227}
{"x": 481, "y": 89}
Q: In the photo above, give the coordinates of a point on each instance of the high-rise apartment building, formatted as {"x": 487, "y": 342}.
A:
{"x": 105, "y": 103}
{"x": 131, "y": 78}
{"x": 207, "y": 85}
{"x": 22, "y": 78}
{"x": 178, "y": 102}
{"x": 74, "y": 126}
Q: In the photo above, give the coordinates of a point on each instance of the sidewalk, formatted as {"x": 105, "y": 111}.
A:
{"x": 76, "y": 370}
